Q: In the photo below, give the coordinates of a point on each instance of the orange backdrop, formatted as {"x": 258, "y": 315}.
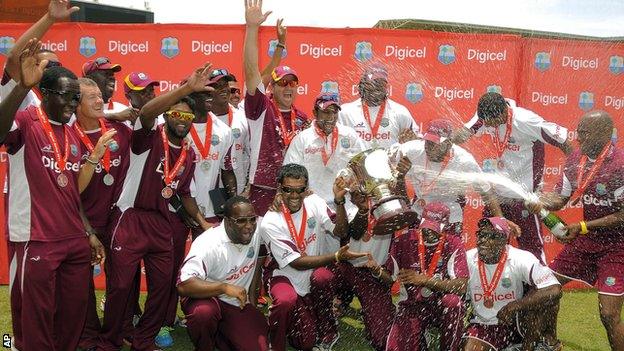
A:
{"x": 434, "y": 74}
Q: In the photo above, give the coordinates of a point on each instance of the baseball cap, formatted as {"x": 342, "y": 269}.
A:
{"x": 435, "y": 216}
{"x": 439, "y": 130}
{"x": 375, "y": 71}
{"x": 280, "y": 71}
{"x": 218, "y": 74}
{"x": 136, "y": 81}
{"x": 99, "y": 64}
{"x": 324, "y": 100}
{"x": 500, "y": 224}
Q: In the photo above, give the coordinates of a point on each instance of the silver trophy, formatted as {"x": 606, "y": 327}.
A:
{"x": 372, "y": 173}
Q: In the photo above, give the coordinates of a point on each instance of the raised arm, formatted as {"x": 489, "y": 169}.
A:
{"x": 253, "y": 20}
{"x": 277, "y": 55}
{"x": 196, "y": 82}
{"x": 57, "y": 11}
{"x": 30, "y": 73}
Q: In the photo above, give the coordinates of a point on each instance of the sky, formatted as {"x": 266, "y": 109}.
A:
{"x": 602, "y": 18}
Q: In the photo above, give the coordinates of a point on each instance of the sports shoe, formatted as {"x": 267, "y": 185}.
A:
{"x": 326, "y": 346}
{"x": 164, "y": 339}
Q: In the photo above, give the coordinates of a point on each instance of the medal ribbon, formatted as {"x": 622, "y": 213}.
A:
{"x": 488, "y": 289}
{"x": 436, "y": 255}
{"x": 45, "y": 123}
{"x": 374, "y": 128}
{"x": 110, "y": 104}
{"x": 203, "y": 148}
{"x": 583, "y": 183}
{"x": 170, "y": 175}
{"x": 286, "y": 135}
{"x": 230, "y": 116}
{"x": 334, "y": 143}
{"x": 299, "y": 237}
{"x": 426, "y": 188}
{"x": 500, "y": 147}
{"x": 87, "y": 142}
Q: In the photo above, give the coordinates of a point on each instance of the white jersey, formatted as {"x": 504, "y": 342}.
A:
{"x": 378, "y": 245}
{"x": 213, "y": 257}
{"x": 394, "y": 120}
{"x": 30, "y": 99}
{"x": 240, "y": 146}
{"x": 433, "y": 186}
{"x": 208, "y": 170}
{"x": 283, "y": 246}
{"x": 523, "y": 159}
{"x": 521, "y": 267}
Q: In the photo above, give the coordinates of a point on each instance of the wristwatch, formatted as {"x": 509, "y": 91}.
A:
{"x": 341, "y": 202}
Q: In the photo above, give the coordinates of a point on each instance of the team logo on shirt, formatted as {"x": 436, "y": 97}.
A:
{"x": 236, "y": 133}
{"x": 215, "y": 140}
{"x": 87, "y": 46}
{"x": 586, "y": 100}
{"x": 363, "y": 51}
{"x": 542, "y": 61}
{"x": 250, "y": 252}
{"x": 74, "y": 149}
{"x": 616, "y": 63}
{"x": 169, "y": 47}
{"x": 446, "y": 55}
{"x": 525, "y": 213}
{"x": 6, "y": 44}
{"x": 330, "y": 87}
{"x": 494, "y": 89}
{"x": 311, "y": 223}
{"x": 610, "y": 281}
{"x": 413, "y": 92}
{"x": 601, "y": 189}
{"x": 506, "y": 283}
{"x": 273, "y": 47}
{"x": 345, "y": 143}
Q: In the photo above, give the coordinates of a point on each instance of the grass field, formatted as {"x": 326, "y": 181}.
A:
{"x": 579, "y": 325}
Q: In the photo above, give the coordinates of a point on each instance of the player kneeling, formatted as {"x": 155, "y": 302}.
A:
{"x": 497, "y": 274}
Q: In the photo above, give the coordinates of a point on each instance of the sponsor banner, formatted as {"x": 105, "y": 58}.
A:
{"x": 433, "y": 74}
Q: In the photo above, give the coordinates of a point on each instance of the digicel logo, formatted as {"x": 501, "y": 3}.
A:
{"x": 60, "y": 46}
{"x": 451, "y": 94}
{"x": 128, "y": 47}
{"x": 211, "y": 47}
{"x": 405, "y": 52}
{"x": 317, "y": 51}
{"x": 510, "y": 296}
{"x": 549, "y": 99}
{"x": 485, "y": 56}
{"x": 369, "y": 136}
{"x": 614, "y": 101}
{"x": 579, "y": 63}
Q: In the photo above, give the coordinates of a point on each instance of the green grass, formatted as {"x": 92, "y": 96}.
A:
{"x": 579, "y": 324}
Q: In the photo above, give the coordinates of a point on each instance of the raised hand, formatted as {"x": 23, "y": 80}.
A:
{"x": 281, "y": 32}
{"x": 103, "y": 142}
{"x": 31, "y": 68}
{"x": 411, "y": 277}
{"x": 403, "y": 166}
{"x": 340, "y": 188}
{"x": 58, "y": 10}
{"x": 253, "y": 13}
{"x": 344, "y": 254}
{"x": 200, "y": 77}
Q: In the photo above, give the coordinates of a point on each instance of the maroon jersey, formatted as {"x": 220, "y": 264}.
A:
{"x": 267, "y": 142}
{"x": 404, "y": 255}
{"x": 38, "y": 208}
{"x": 100, "y": 195}
{"x": 144, "y": 182}
{"x": 602, "y": 196}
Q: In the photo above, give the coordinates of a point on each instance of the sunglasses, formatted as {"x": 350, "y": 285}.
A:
{"x": 65, "y": 95}
{"x": 53, "y": 64}
{"x": 490, "y": 235}
{"x": 244, "y": 220}
{"x": 185, "y": 116}
{"x": 218, "y": 72}
{"x": 289, "y": 190}
{"x": 290, "y": 83}
{"x": 235, "y": 91}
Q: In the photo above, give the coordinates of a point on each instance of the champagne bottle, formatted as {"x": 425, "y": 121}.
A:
{"x": 554, "y": 223}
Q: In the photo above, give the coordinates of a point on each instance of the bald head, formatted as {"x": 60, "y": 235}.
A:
{"x": 594, "y": 132}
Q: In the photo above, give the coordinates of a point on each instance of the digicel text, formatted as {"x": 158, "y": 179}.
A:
{"x": 484, "y": 56}
{"x": 318, "y": 51}
{"x": 60, "y": 46}
{"x": 405, "y": 52}
{"x": 549, "y": 99}
{"x": 454, "y": 93}
{"x": 614, "y": 101}
{"x": 211, "y": 47}
{"x": 127, "y": 47}
{"x": 369, "y": 136}
{"x": 497, "y": 297}
{"x": 578, "y": 63}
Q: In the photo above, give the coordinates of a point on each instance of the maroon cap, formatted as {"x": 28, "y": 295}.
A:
{"x": 281, "y": 71}
{"x": 500, "y": 224}
{"x": 324, "y": 100}
{"x": 99, "y": 64}
{"x": 439, "y": 130}
{"x": 137, "y": 81}
{"x": 375, "y": 71}
{"x": 435, "y": 216}
{"x": 218, "y": 74}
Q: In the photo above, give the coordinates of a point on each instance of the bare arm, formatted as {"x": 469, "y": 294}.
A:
{"x": 453, "y": 286}
{"x": 310, "y": 262}
{"x": 200, "y": 289}
{"x": 57, "y": 11}
{"x": 608, "y": 221}
{"x": 190, "y": 206}
{"x": 566, "y": 147}
{"x": 277, "y": 55}
{"x": 341, "y": 229}
{"x": 461, "y": 135}
{"x": 253, "y": 20}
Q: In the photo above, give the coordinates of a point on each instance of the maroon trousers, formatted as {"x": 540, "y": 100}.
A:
{"x": 374, "y": 296}
{"x": 54, "y": 293}
{"x": 411, "y": 321}
{"x": 137, "y": 235}
{"x": 303, "y": 320}
{"x": 213, "y": 323}
{"x": 16, "y": 269}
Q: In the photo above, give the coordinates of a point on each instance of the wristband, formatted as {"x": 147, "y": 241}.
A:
{"x": 378, "y": 274}
{"x": 95, "y": 163}
{"x": 336, "y": 256}
{"x": 280, "y": 45}
{"x": 583, "y": 227}
{"x": 341, "y": 202}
